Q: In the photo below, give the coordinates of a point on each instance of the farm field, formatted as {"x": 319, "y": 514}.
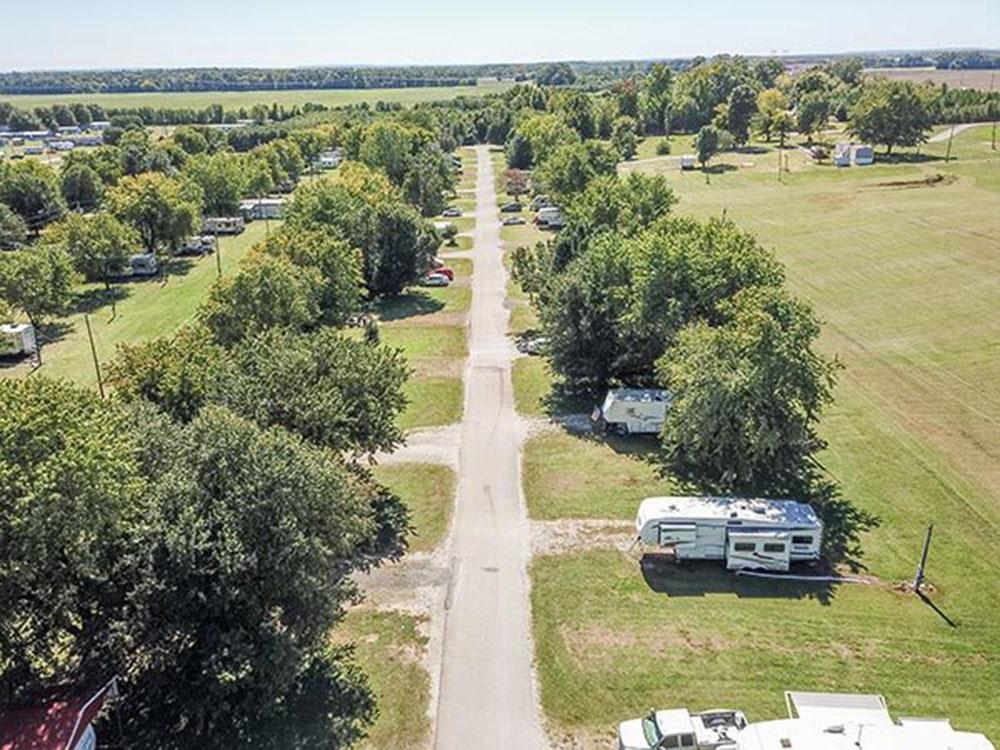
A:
{"x": 985, "y": 80}
{"x": 147, "y": 309}
{"x": 904, "y": 268}
{"x": 246, "y": 99}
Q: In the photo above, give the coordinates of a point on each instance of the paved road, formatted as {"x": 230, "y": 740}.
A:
{"x": 487, "y": 697}
{"x": 944, "y": 134}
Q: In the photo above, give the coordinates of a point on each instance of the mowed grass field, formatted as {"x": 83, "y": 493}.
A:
{"x": 147, "y": 309}
{"x": 246, "y": 99}
{"x": 985, "y": 80}
{"x": 906, "y": 275}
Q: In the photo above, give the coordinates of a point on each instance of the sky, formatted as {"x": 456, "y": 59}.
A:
{"x": 62, "y": 34}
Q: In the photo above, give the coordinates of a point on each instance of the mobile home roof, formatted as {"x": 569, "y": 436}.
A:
{"x": 752, "y": 511}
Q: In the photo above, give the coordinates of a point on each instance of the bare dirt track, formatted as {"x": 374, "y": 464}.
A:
{"x": 487, "y": 694}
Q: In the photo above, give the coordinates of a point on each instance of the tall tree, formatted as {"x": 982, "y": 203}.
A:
{"x": 162, "y": 210}
{"x": 222, "y": 178}
{"x": 706, "y": 143}
{"x": 742, "y": 106}
{"x": 31, "y": 189}
{"x": 82, "y": 187}
{"x": 99, "y": 245}
{"x": 13, "y": 230}
{"x": 38, "y": 282}
{"x": 894, "y": 113}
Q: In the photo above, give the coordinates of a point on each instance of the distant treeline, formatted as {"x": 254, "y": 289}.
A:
{"x": 227, "y": 79}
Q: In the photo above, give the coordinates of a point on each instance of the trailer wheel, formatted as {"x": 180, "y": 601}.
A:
{"x": 600, "y": 425}
{"x": 618, "y": 428}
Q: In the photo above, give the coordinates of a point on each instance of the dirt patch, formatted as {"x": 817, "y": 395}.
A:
{"x": 569, "y": 536}
{"x": 933, "y": 180}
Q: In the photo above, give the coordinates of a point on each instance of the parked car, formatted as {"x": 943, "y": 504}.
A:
{"x": 540, "y": 201}
{"x": 435, "y": 279}
{"x": 511, "y": 208}
{"x": 533, "y": 345}
{"x": 550, "y": 217}
{"x": 511, "y": 221}
{"x": 445, "y": 271}
{"x": 198, "y": 245}
{"x": 452, "y": 211}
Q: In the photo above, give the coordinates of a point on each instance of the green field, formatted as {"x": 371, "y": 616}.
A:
{"x": 246, "y": 99}
{"x": 428, "y": 491}
{"x": 903, "y": 266}
{"x": 147, "y": 309}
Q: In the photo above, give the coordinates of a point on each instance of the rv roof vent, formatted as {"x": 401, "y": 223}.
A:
{"x": 734, "y": 514}
{"x": 785, "y": 742}
{"x": 835, "y": 729}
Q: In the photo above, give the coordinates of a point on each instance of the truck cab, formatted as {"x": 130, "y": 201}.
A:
{"x": 678, "y": 729}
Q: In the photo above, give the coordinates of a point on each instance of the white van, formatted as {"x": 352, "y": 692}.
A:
{"x": 223, "y": 225}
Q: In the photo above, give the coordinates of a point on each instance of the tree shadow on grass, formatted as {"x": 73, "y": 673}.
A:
{"x": 94, "y": 299}
{"x": 719, "y": 169}
{"x": 700, "y": 578}
{"x": 907, "y": 158}
{"x": 50, "y": 333}
{"x": 408, "y": 305}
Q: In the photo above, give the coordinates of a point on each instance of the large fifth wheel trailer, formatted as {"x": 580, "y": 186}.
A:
{"x": 746, "y": 533}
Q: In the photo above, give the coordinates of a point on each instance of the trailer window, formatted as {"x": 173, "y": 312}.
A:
{"x": 744, "y": 546}
{"x": 802, "y": 540}
{"x": 687, "y": 740}
{"x": 772, "y": 547}
{"x": 672, "y": 741}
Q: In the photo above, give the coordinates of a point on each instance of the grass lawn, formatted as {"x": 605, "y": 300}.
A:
{"x": 147, "y": 309}
{"x": 904, "y": 269}
{"x": 574, "y": 476}
{"x": 615, "y": 638}
{"x": 433, "y": 401}
{"x": 429, "y": 492}
{"x": 389, "y": 647}
{"x": 246, "y": 99}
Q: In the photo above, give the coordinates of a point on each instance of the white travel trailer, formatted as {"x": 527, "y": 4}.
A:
{"x": 841, "y": 155}
{"x": 687, "y": 161}
{"x": 749, "y": 534}
{"x": 223, "y": 225}
{"x": 677, "y": 728}
{"x": 862, "y": 155}
{"x": 262, "y": 208}
{"x": 143, "y": 264}
{"x": 836, "y": 721}
{"x": 632, "y": 411}
{"x": 17, "y": 339}
{"x": 550, "y": 217}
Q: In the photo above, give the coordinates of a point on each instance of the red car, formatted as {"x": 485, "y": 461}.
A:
{"x": 445, "y": 271}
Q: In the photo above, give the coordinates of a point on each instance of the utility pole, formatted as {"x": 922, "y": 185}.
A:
{"x": 93, "y": 353}
{"x": 918, "y": 579}
{"x": 993, "y": 111}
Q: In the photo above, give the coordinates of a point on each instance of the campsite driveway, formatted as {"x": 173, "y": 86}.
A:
{"x": 487, "y": 694}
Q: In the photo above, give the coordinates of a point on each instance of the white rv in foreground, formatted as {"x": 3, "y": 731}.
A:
{"x": 17, "y": 339}
{"x": 817, "y": 721}
{"x": 835, "y": 721}
{"x": 749, "y": 534}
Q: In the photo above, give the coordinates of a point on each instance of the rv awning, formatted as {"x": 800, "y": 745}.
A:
{"x": 838, "y": 708}
{"x": 55, "y": 721}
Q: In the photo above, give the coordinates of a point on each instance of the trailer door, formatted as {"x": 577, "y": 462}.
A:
{"x": 758, "y": 550}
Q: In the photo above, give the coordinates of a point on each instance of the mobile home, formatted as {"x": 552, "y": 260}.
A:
{"x": 746, "y": 533}
{"x": 223, "y": 225}
{"x": 632, "y": 411}
{"x": 17, "y": 339}
{"x": 254, "y": 209}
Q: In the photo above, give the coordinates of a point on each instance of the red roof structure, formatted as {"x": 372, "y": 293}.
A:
{"x": 55, "y": 720}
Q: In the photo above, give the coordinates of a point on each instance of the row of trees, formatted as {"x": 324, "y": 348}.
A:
{"x": 197, "y": 534}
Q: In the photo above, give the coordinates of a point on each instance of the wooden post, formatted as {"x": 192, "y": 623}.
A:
{"x": 93, "y": 353}
{"x": 218, "y": 256}
{"x": 918, "y": 579}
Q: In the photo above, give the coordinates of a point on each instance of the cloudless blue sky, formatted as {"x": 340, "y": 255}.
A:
{"x": 134, "y": 33}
